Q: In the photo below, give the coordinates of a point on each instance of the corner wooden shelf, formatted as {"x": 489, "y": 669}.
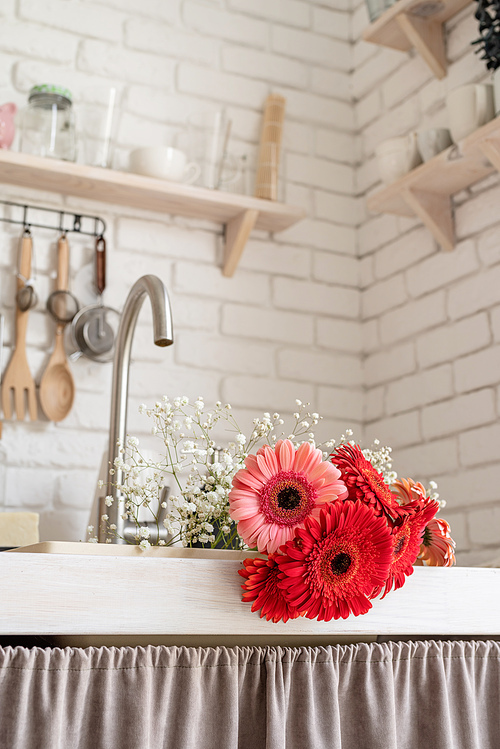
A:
{"x": 419, "y": 24}
{"x": 426, "y": 191}
{"x": 239, "y": 214}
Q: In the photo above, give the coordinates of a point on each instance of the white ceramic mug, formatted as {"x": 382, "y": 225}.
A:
{"x": 469, "y": 107}
{"x": 433, "y": 141}
{"x": 397, "y": 156}
{"x": 164, "y": 162}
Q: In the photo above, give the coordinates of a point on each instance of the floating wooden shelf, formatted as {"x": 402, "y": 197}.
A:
{"x": 426, "y": 191}
{"x": 174, "y": 593}
{"x": 239, "y": 213}
{"x": 419, "y": 24}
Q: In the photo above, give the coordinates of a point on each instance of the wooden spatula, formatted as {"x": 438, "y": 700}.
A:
{"x": 17, "y": 378}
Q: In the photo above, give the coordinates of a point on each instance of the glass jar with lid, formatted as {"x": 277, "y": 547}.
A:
{"x": 48, "y": 123}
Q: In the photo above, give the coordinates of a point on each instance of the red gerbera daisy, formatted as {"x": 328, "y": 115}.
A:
{"x": 278, "y": 489}
{"x": 261, "y": 587}
{"x": 407, "y": 535}
{"x": 364, "y": 482}
{"x": 333, "y": 565}
{"x": 437, "y": 548}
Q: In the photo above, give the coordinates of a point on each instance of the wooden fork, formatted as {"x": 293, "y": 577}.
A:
{"x": 17, "y": 377}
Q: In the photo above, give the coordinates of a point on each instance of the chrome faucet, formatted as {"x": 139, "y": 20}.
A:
{"x": 163, "y": 336}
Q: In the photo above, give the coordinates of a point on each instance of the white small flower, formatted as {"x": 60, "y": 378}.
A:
{"x": 112, "y": 527}
{"x": 144, "y": 545}
{"x": 241, "y": 439}
{"x": 90, "y": 529}
{"x": 108, "y": 501}
{"x": 104, "y": 518}
{"x": 133, "y": 442}
{"x": 298, "y": 403}
{"x": 108, "y": 540}
{"x": 93, "y": 540}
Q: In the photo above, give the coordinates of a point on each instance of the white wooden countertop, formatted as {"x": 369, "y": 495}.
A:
{"x": 148, "y": 594}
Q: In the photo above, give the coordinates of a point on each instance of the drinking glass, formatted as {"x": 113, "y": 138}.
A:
{"x": 208, "y": 139}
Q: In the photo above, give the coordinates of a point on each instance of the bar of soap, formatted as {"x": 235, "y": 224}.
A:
{"x": 18, "y": 528}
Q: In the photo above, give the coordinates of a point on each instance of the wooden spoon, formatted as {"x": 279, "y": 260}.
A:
{"x": 57, "y": 387}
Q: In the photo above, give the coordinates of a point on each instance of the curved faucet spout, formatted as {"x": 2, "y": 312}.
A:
{"x": 153, "y": 287}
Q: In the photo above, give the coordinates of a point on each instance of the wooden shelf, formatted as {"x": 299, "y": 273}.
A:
{"x": 419, "y": 24}
{"x": 426, "y": 191}
{"x": 239, "y": 213}
{"x": 163, "y": 592}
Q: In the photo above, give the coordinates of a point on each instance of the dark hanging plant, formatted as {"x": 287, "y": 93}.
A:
{"x": 488, "y": 15}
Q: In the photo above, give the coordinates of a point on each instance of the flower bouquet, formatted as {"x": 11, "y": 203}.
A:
{"x": 332, "y": 524}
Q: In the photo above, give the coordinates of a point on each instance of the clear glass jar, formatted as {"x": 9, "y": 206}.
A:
{"x": 48, "y": 123}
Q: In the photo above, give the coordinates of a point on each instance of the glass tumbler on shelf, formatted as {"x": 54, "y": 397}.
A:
{"x": 208, "y": 134}
{"x": 97, "y": 124}
{"x": 48, "y": 123}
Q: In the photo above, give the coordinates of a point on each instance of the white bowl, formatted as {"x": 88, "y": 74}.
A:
{"x": 396, "y": 157}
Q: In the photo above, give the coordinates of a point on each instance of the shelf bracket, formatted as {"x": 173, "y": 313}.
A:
{"x": 237, "y": 233}
{"x": 427, "y": 38}
{"x": 435, "y": 212}
{"x": 491, "y": 149}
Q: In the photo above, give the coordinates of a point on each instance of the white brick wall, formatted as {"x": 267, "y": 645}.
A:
{"x": 287, "y": 325}
{"x": 434, "y": 317}
{"x": 342, "y": 301}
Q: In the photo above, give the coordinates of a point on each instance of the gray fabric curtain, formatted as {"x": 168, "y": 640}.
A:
{"x": 397, "y": 695}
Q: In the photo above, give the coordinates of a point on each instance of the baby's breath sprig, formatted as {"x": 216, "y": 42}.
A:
{"x": 200, "y": 472}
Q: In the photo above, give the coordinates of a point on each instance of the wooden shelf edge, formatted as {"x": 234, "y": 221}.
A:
{"x": 124, "y": 188}
{"x": 403, "y": 26}
{"x": 427, "y": 189}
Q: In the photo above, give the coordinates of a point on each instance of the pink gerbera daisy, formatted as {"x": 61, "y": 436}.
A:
{"x": 279, "y": 488}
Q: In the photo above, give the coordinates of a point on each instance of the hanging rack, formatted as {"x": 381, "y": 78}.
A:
{"x": 78, "y": 219}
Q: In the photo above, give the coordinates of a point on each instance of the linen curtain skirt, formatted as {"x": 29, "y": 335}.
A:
{"x": 396, "y": 695}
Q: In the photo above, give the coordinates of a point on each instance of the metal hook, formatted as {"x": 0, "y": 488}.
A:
{"x": 77, "y": 223}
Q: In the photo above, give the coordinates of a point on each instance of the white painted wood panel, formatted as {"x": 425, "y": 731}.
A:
{"x": 125, "y": 595}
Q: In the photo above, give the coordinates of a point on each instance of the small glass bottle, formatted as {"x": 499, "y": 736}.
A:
{"x": 48, "y": 123}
